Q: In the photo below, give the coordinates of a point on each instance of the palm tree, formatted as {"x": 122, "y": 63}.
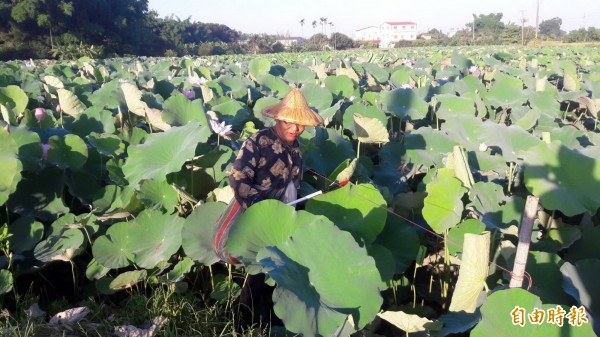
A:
{"x": 302, "y": 25}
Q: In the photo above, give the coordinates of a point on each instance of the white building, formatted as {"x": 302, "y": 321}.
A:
{"x": 388, "y": 33}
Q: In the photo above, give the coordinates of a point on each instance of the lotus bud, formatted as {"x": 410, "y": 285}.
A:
{"x": 39, "y": 114}
{"x": 45, "y": 148}
{"x": 483, "y": 147}
{"x": 58, "y": 108}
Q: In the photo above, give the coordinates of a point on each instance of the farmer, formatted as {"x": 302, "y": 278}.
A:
{"x": 268, "y": 166}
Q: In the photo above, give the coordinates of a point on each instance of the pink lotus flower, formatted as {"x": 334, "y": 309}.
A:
{"x": 45, "y": 148}
{"x": 39, "y": 114}
{"x": 58, "y": 108}
{"x": 189, "y": 94}
{"x": 220, "y": 128}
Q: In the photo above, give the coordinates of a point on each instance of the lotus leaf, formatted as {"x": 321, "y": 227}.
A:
{"x": 197, "y": 232}
{"x": 318, "y": 98}
{"x": 363, "y": 110}
{"x": 586, "y": 247}
{"x": 503, "y": 94}
{"x": 529, "y": 120}
{"x": 571, "y": 138}
{"x": 69, "y": 151}
{"x": 300, "y": 75}
{"x": 358, "y": 209}
{"x": 224, "y": 289}
{"x": 232, "y": 113}
{"x": 260, "y": 105}
{"x": 14, "y": 97}
{"x": 379, "y": 74}
{"x": 26, "y": 233}
{"x": 406, "y": 322}
{"x": 512, "y": 140}
{"x": 327, "y": 149}
{"x": 162, "y": 153}
{"x": 456, "y": 235}
{"x": 10, "y": 170}
{"x": 370, "y": 130}
{"x": 341, "y": 86}
{"x": 546, "y": 102}
{"x": 95, "y": 270}
{"x": 450, "y": 106}
{"x": 312, "y": 290}
{"x": 561, "y": 178}
{"x": 93, "y": 119}
{"x": 427, "y": 146}
{"x": 561, "y": 235}
{"x": 579, "y": 282}
{"x": 443, "y": 206}
{"x": 106, "y": 144}
{"x": 40, "y": 195}
{"x": 112, "y": 249}
{"x": 70, "y": 103}
{"x": 128, "y": 279}
{"x": 179, "y": 271}
{"x": 457, "y": 322}
{"x": 544, "y": 269}
{"x": 233, "y": 85}
{"x": 64, "y": 246}
{"x": 179, "y": 111}
{"x": 256, "y": 228}
{"x": 259, "y": 67}
{"x": 395, "y": 231}
{"x": 400, "y": 77}
{"x": 404, "y": 102}
{"x": 158, "y": 195}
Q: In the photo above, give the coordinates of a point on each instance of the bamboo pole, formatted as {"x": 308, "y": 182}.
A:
{"x": 516, "y": 280}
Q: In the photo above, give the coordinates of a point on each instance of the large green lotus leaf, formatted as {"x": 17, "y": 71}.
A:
{"x": 400, "y": 77}
{"x": 232, "y": 113}
{"x": 234, "y": 86}
{"x": 474, "y": 269}
{"x": 178, "y": 272}
{"x": 40, "y": 195}
{"x": 370, "y": 130}
{"x": 133, "y": 98}
{"x": 197, "y": 233}
{"x": 512, "y": 140}
{"x": 258, "y": 67}
{"x": 363, "y": 110}
{"x": 95, "y": 270}
{"x": 128, "y": 279}
{"x": 586, "y": 247}
{"x": 326, "y": 150}
{"x": 570, "y": 137}
{"x": 16, "y": 97}
{"x": 385, "y": 262}
{"x": 70, "y": 103}
{"x": 257, "y": 228}
{"x": 401, "y": 240}
{"x": 69, "y": 151}
{"x": 503, "y": 94}
{"x": 162, "y": 153}
{"x": 262, "y": 103}
{"x": 529, "y": 120}
{"x": 317, "y": 97}
{"x": 26, "y": 233}
{"x": 496, "y": 314}
{"x": 560, "y": 234}
{"x": 10, "y": 169}
{"x": 215, "y": 161}
{"x": 178, "y": 110}
{"x": 427, "y": 146}
{"x": 379, "y": 74}
{"x": 109, "y": 95}
{"x": 456, "y": 235}
{"x": 570, "y": 78}
{"x": 562, "y": 178}
{"x": 389, "y": 172}
{"x": 546, "y": 102}
{"x": 465, "y": 130}
{"x": 358, "y": 209}
{"x": 63, "y": 245}
{"x": 443, "y": 206}
{"x": 112, "y": 250}
{"x": 456, "y": 322}
{"x": 158, "y": 195}
{"x": 470, "y": 84}
{"x": 404, "y": 102}
{"x": 106, "y": 144}
{"x": 409, "y": 323}
{"x": 300, "y": 75}
{"x": 451, "y": 106}
{"x": 544, "y": 269}
{"x": 274, "y": 84}
{"x": 580, "y": 281}
{"x": 340, "y": 85}
{"x": 316, "y": 270}
{"x": 93, "y": 119}
{"x": 154, "y": 237}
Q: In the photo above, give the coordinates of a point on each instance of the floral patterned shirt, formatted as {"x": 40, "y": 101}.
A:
{"x": 263, "y": 168}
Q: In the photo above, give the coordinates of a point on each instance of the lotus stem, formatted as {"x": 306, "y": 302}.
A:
{"x": 445, "y": 284}
{"x": 511, "y": 172}
{"x": 358, "y": 150}
{"x": 212, "y": 279}
{"x": 414, "y": 289}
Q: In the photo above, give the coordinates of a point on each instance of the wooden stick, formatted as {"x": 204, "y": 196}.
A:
{"x": 516, "y": 280}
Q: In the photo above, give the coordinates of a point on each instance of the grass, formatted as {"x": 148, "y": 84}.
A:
{"x": 187, "y": 315}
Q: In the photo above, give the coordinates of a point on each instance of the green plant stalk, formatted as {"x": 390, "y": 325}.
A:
{"x": 446, "y": 282}
{"x": 414, "y": 289}
{"x": 358, "y": 150}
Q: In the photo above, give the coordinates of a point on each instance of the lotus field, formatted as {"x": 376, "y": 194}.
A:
{"x": 119, "y": 168}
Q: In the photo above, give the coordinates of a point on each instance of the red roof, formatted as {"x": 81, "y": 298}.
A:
{"x": 401, "y": 23}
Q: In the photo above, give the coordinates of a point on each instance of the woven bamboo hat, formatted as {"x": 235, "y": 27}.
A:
{"x": 293, "y": 109}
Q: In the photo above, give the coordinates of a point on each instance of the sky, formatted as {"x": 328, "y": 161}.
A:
{"x": 283, "y": 16}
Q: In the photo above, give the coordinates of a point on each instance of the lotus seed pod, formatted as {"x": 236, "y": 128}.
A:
{"x": 40, "y": 114}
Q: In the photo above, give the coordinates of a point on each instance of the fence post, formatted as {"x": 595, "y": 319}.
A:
{"x": 516, "y": 280}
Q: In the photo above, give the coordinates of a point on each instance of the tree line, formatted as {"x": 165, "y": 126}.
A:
{"x": 68, "y": 29}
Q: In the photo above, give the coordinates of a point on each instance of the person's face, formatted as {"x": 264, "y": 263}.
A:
{"x": 288, "y": 132}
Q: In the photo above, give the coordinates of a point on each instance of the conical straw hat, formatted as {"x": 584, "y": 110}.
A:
{"x": 293, "y": 109}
